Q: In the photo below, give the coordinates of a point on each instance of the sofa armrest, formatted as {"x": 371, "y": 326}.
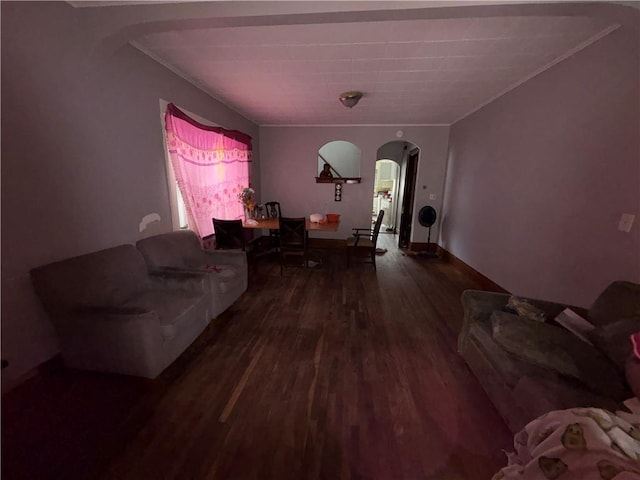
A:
{"x": 223, "y": 257}
{"x": 168, "y": 278}
{"x": 117, "y": 339}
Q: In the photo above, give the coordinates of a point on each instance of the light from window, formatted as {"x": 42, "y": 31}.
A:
{"x": 182, "y": 211}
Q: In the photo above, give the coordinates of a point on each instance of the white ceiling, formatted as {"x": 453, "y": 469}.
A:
{"x": 415, "y": 66}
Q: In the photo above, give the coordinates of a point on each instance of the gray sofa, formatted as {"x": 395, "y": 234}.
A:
{"x": 226, "y": 270}
{"x": 111, "y": 315}
{"x": 529, "y": 367}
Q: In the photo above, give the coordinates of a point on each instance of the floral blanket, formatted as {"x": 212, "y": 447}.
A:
{"x": 578, "y": 444}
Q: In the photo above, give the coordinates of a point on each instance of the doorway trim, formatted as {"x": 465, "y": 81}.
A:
{"x": 410, "y": 167}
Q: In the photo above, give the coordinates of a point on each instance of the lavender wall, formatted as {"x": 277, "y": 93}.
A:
{"x": 538, "y": 179}
{"x": 82, "y": 155}
{"x": 289, "y": 159}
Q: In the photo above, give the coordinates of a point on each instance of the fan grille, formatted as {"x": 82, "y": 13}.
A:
{"x": 427, "y": 216}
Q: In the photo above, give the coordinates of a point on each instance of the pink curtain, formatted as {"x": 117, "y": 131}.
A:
{"x": 211, "y": 166}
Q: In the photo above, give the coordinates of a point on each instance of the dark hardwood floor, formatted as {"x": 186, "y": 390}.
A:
{"x": 324, "y": 373}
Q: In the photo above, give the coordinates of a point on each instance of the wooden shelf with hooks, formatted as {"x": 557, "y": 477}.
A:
{"x": 339, "y": 180}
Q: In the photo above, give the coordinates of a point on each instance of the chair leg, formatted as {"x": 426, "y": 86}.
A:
{"x": 373, "y": 258}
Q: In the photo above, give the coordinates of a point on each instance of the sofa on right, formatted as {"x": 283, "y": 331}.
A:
{"x": 529, "y": 367}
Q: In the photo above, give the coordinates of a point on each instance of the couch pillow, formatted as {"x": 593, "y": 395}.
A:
{"x": 522, "y": 307}
{"x": 613, "y": 340}
{"x": 552, "y": 347}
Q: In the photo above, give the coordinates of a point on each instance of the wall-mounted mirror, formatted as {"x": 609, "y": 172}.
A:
{"x": 338, "y": 161}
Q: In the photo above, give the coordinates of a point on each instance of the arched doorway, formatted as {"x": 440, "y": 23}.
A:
{"x": 400, "y": 196}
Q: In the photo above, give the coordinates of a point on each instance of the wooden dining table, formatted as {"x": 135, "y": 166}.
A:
{"x": 274, "y": 224}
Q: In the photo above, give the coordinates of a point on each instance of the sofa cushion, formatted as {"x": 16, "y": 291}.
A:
{"x": 505, "y": 368}
{"x": 176, "y": 310}
{"x": 554, "y": 348}
{"x": 106, "y": 277}
{"x": 613, "y": 339}
{"x": 178, "y": 249}
{"x": 224, "y": 277}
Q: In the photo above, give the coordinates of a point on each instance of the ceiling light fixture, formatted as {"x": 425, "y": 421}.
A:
{"x": 350, "y": 99}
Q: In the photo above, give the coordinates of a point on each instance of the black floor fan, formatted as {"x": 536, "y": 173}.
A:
{"x": 427, "y": 217}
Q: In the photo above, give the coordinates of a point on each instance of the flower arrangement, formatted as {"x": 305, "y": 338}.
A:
{"x": 246, "y": 198}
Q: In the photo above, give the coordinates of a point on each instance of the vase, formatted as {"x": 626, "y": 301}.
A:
{"x": 249, "y": 213}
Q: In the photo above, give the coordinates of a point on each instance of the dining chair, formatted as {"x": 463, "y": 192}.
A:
{"x": 229, "y": 234}
{"x": 293, "y": 240}
{"x": 273, "y": 211}
{"x": 364, "y": 240}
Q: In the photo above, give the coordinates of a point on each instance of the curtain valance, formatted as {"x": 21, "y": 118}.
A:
{"x": 232, "y": 134}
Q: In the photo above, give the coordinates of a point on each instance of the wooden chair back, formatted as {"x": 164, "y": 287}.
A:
{"x": 273, "y": 211}
{"x": 364, "y": 240}
{"x": 229, "y": 234}
{"x": 293, "y": 239}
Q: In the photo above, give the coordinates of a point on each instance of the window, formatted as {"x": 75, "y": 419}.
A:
{"x": 209, "y": 165}
{"x": 178, "y": 210}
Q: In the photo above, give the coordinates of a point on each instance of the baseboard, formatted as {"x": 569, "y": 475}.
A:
{"x": 484, "y": 282}
{"x": 423, "y": 247}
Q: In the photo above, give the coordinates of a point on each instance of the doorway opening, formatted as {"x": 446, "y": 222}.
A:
{"x": 385, "y": 193}
{"x": 394, "y": 188}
